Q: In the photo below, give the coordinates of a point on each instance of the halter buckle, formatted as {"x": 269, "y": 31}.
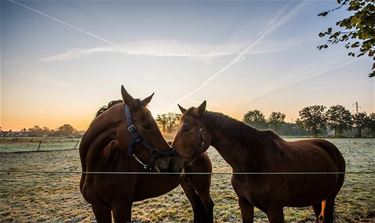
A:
{"x": 154, "y": 153}
{"x": 132, "y": 128}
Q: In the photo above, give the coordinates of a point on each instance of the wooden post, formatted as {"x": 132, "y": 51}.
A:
{"x": 40, "y": 142}
{"x": 75, "y": 147}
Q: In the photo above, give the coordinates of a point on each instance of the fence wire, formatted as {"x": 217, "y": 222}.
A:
{"x": 38, "y": 145}
{"x": 180, "y": 173}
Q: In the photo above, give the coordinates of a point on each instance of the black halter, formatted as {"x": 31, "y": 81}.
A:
{"x": 136, "y": 138}
{"x": 202, "y": 143}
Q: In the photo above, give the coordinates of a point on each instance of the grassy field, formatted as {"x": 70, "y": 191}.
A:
{"x": 28, "y": 144}
{"x": 56, "y": 197}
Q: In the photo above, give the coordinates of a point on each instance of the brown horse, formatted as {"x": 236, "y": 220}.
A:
{"x": 246, "y": 150}
{"x": 125, "y": 138}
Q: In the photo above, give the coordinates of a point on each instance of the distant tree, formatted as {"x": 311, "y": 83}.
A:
{"x": 66, "y": 130}
{"x": 45, "y": 130}
{"x": 275, "y": 120}
{"x": 339, "y": 119}
{"x": 291, "y": 129}
{"x": 35, "y": 131}
{"x": 371, "y": 124}
{"x": 168, "y": 121}
{"x": 312, "y": 119}
{"x": 23, "y": 132}
{"x": 52, "y": 133}
{"x": 172, "y": 119}
{"x": 357, "y": 30}
{"x": 161, "y": 119}
{"x": 256, "y": 119}
{"x": 360, "y": 121}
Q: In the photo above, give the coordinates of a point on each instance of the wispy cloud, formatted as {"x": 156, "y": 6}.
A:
{"x": 281, "y": 18}
{"x": 172, "y": 48}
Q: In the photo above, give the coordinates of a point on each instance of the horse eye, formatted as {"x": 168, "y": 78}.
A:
{"x": 185, "y": 128}
{"x": 146, "y": 126}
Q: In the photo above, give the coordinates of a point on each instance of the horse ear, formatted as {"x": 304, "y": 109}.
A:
{"x": 126, "y": 97}
{"x": 147, "y": 100}
{"x": 201, "y": 108}
{"x": 183, "y": 110}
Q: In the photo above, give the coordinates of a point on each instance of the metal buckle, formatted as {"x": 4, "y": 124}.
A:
{"x": 154, "y": 153}
{"x": 140, "y": 162}
{"x": 132, "y": 128}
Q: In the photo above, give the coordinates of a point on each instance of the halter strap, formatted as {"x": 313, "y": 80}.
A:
{"x": 195, "y": 155}
{"x": 136, "y": 138}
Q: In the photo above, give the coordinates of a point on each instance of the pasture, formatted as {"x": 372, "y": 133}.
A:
{"x": 53, "y": 197}
{"x": 29, "y": 144}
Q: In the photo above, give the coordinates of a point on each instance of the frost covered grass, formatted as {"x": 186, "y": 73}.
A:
{"x": 26, "y": 197}
{"x": 29, "y": 144}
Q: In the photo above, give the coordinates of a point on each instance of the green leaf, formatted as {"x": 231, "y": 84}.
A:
{"x": 372, "y": 74}
{"x": 356, "y": 30}
{"x": 323, "y": 13}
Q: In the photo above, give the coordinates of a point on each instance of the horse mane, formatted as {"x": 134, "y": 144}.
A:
{"x": 106, "y": 107}
{"x": 235, "y": 129}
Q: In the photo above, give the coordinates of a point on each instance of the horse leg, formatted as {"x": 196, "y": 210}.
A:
{"x": 196, "y": 203}
{"x": 122, "y": 212}
{"x": 201, "y": 184}
{"x": 247, "y": 211}
{"x": 317, "y": 210}
{"x": 275, "y": 214}
{"x": 327, "y": 215}
{"x": 102, "y": 214}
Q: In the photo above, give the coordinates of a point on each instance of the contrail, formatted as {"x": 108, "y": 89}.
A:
{"x": 271, "y": 26}
{"x": 116, "y": 47}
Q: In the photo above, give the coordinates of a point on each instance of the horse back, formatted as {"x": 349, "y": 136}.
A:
{"x": 314, "y": 155}
{"x": 321, "y": 148}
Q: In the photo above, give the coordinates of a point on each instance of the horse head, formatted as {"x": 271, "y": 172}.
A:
{"x": 135, "y": 131}
{"x": 192, "y": 137}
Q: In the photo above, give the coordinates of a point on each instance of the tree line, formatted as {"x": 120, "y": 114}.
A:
{"x": 313, "y": 120}
{"x": 317, "y": 120}
{"x": 276, "y": 122}
{"x": 65, "y": 130}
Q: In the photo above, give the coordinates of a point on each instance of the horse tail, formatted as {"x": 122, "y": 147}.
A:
{"x": 339, "y": 160}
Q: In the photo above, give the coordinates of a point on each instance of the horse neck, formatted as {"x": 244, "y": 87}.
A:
{"x": 236, "y": 142}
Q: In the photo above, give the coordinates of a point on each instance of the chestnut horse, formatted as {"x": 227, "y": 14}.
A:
{"x": 296, "y": 174}
{"x": 125, "y": 138}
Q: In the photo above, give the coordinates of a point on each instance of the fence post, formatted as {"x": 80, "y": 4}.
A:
{"x": 75, "y": 147}
{"x": 40, "y": 142}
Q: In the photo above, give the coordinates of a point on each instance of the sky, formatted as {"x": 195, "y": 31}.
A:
{"x": 62, "y": 60}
